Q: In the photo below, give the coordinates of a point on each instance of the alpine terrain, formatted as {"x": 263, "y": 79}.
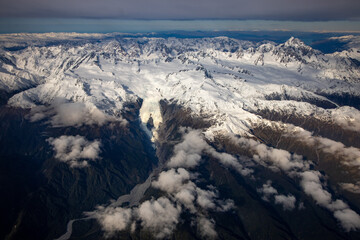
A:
{"x": 106, "y": 136}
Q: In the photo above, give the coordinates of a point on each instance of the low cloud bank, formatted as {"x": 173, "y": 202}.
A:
{"x": 347, "y": 117}
{"x": 76, "y": 114}
{"x": 178, "y": 182}
{"x": 350, "y": 155}
{"x": 294, "y": 166}
{"x": 75, "y": 150}
{"x": 160, "y": 216}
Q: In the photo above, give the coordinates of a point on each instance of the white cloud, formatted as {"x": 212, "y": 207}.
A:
{"x": 294, "y": 165}
{"x": 205, "y": 198}
{"x": 113, "y": 219}
{"x": 75, "y": 150}
{"x": 188, "y": 152}
{"x": 187, "y": 196}
{"x": 77, "y": 114}
{"x": 301, "y": 206}
{"x": 347, "y": 117}
{"x": 177, "y": 183}
{"x": 160, "y": 216}
{"x": 311, "y": 184}
{"x": 288, "y": 202}
{"x": 172, "y": 180}
{"x": 225, "y": 205}
{"x": 277, "y": 158}
{"x": 349, "y": 155}
{"x": 206, "y": 227}
{"x": 349, "y": 219}
{"x": 65, "y": 114}
{"x": 351, "y": 187}
{"x": 228, "y": 160}
{"x": 310, "y": 180}
{"x": 267, "y": 190}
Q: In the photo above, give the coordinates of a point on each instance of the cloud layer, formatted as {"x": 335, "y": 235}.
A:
{"x": 178, "y": 182}
{"x": 65, "y": 114}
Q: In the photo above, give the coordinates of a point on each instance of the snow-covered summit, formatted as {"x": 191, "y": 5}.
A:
{"x": 295, "y": 42}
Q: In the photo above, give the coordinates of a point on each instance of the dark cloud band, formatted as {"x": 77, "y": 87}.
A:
{"x": 186, "y": 9}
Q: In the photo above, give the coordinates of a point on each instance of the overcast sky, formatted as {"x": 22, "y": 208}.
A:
{"x": 303, "y": 10}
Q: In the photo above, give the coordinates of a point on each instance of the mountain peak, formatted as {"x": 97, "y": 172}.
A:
{"x": 294, "y": 42}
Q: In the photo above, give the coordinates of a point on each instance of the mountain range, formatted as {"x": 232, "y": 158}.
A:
{"x": 112, "y": 136}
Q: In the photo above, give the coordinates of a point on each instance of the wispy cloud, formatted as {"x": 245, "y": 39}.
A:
{"x": 268, "y": 191}
{"x": 351, "y": 187}
{"x": 349, "y": 155}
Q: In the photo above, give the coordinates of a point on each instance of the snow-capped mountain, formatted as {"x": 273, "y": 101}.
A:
{"x": 284, "y": 118}
{"x": 217, "y": 76}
